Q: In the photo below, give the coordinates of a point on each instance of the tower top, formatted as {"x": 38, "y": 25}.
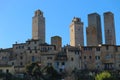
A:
{"x": 76, "y": 19}
{"x": 38, "y": 13}
{"x": 108, "y": 13}
{"x": 93, "y": 14}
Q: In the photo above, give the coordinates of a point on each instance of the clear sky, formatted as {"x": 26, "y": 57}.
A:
{"x": 16, "y": 18}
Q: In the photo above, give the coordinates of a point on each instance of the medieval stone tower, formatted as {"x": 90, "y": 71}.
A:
{"x": 57, "y": 41}
{"x": 93, "y": 31}
{"x": 109, "y": 28}
{"x": 76, "y": 32}
{"x": 38, "y": 26}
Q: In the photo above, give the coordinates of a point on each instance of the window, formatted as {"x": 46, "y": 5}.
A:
{"x": 116, "y": 49}
{"x": 63, "y": 63}
{"x": 33, "y": 58}
{"x": 85, "y": 48}
{"x": 57, "y": 63}
{"x": 19, "y": 47}
{"x": 90, "y": 49}
{"x": 108, "y": 56}
{"x": 30, "y": 51}
{"x": 80, "y": 57}
{"x": 4, "y": 58}
{"x": 0, "y": 70}
{"x": 98, "y": 66}
{"x": 97, "y": 57}
{"x": 29, "y": 42}
{"x": 7, "y": 71}
{"x": 84, "y": 57}
{"x": 49, "y": 64}
{"x": 35, "y": 51}
{"x": 12, "y": 63}
{"x": 35, "y": 42}
{"x": 98, "y": 49}
{"x": 21, "y": 57}
{"x": 16, "y": 47}
{"x": 28, "y": 48}
{"x": 72, "y": 59}
{"x": 35, "y": 47}
{"x": 22, "y": 47}
{"x": 76, "y": 52}
{"x": 90, "y": 57}
{"x": 49, "y": 57}
{"x": 107, "y": 47}
{"x": 21, "y": 63}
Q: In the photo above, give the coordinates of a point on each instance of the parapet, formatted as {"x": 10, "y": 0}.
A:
{"x": 38, "y": 13}
{"x": 76, "y": 19}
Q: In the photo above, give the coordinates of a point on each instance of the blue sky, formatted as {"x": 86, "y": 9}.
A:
{"x": 16, "y": 18}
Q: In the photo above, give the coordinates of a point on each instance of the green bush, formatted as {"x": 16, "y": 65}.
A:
{"x": 104, "y": 76}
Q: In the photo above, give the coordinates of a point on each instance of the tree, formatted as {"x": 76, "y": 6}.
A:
{"x": 34, "y": 71}
{"x": 51, "y": 73}
{"x": 104, "y": 76}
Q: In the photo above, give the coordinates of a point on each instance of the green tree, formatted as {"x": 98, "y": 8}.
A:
{"x": 105, "y": 75}
{"x": 34, "y": 71}
{"x": 51, "y": 73}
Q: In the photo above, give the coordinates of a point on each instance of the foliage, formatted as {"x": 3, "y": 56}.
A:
{"x": 82, "y": 75}
{"x": 2, "y": 75}
{"x": 35, "y": 72}
{"x": 51, "y": 73}
{"x": 9, "y": 76}
{"x": 105, "y": 75}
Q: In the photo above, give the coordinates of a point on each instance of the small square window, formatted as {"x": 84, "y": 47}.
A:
{"x": 98, "y": 49}
{"x": 21, "y": 63}
{"x": 72, "y": 59}
{"x": 63, "y": 63}
{"x": 107, "y": 47}
{"x": 90, "y": 57}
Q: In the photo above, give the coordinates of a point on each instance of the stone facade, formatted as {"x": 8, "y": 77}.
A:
{"x": 57, "y": 41}
{"x": 94, "y": 30}
{"x": 91, "y": 36}
{"x": 7, "y": 69}
{"x": 67, "y": 58}
{"x": 76, "y": 32}
{"x": 109, "y": 28}
{"x": 38, "y": 26}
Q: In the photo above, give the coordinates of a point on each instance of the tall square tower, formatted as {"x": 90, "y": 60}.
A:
{"x": 38, "y": 26}
{"x": 76, "y": 32}
{"x": 109, "y": 28}
{"x": 94, "y": 33}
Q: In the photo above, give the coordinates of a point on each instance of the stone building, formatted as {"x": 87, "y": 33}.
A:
{"x": 93, "y": 31}
{"x": 57, "y": 41}
{"x": 109, "y": 27}
{"x": 5, "y": 56}
{"x": 38, "y": 26}
{"x": 7, "y": 69}
{"x": 104, "y": 57}
{"x": 68, "y": 59}
{"x": 94, "y": 56}
{"x": 117, "y": 58}
{"x": 32, "y": 51}
{"x": 76, "y": 32}
{"x": 88, "y": 57}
